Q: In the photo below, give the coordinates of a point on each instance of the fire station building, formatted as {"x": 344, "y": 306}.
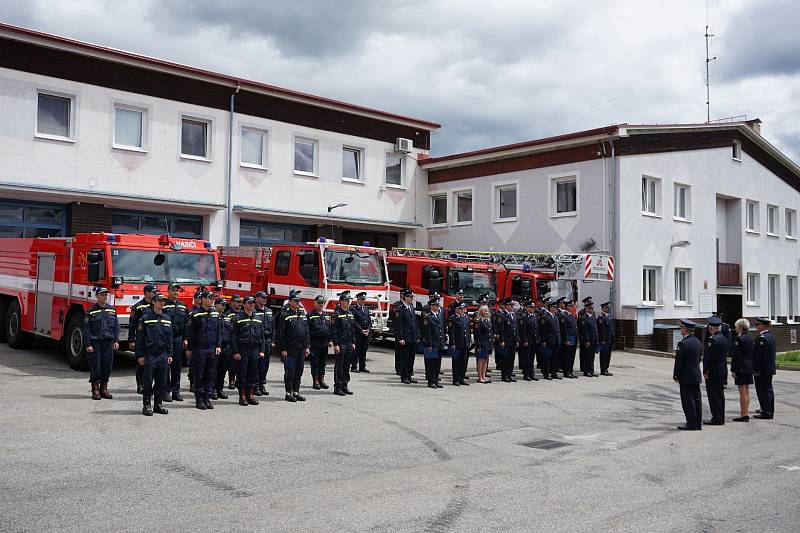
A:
{"x": 699, "y": 218}
{"x": 96, "y": 139}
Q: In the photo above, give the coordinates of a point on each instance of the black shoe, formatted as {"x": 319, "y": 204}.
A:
{"x": 593, "y": 375}
{"x": 464, "y": 383}
{"x": 745, "y": 418}
{"x": 315, "y": 386}
{"x": 432, "y": 386}
{"x": 364, "y": 370}
{"x": 257, "y": 391}
{"x": 713, "y": 422}
{"x": 353, "y": 369}
{"x": 159, "y": 409}
{"x": 208, "y": 403}
{"x": 299, "y": 397}
{"x": 221, "y": 395}
{"x": 456, "y": 384}
{"x": 338, "y": 392}
{"x": 526, "y": 378}
{"x": 146, "y": 409}
{"x": 252, "y": 401}
{"x": 688, "y": 428}
{"x": 606, "y": 373}
{"x": 200, "y": 405}
{"x": 214, "y": 395}
{"x": 439, "y": 385}
{"x": 347, "y": 391}
{"x": 231, "y": 386}
{"x": 177, "y": 396}
{"x": 548, "y": 378}
{"x": 243, "y": 401}
{"x": 412, "y": 380}
{"x": 323, "y": 385}
{"x": 405, "y": 381}
{"x": 763, "y": 416}
{"x": 555, "y": 376}
{"x": 139, "y": 390}
{"x": 290, "y": 398}
{"x": 506, "y": 380}
{"x": 534, "y": 378}
{"x": 513, "y": 379}
{"x": 167, "y": 398}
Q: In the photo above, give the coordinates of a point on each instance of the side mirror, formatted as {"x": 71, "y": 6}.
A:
{"x": 159, "y": 259}
{"x": 117, "y": 281}
{"x": 222, "y": 264}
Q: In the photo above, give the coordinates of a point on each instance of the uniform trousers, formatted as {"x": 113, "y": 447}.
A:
{"x": 341, "y": 367}
{"x": 459, "y": 355}
{"x": 360, "y": 353}
{"x": 263, "y": 365}
{"x": 692, "y": 405}
{"x": 506, "y": 355}
{"x": 406, "y": 354}
{"x": 204, "y": 368}
{"x": 433, "y": 367}
{"x": 100, "y": 361}
{"x": 555, "y": 360}
{"x": 223, "y": 364}
{"x": 587, "y": 358}
{"x": 174, "y": 375}
{"x": 526, "y": 360}
{"x": 716, "y": 397}
{"x": 545, "y": 356}
{"x": 605, "y": 358}
{"x": 154, "y": 372}
{"x": 293, "y": 367}
{"x": 568, "y": 358}
{"x": 247, "y": 368}
{"x": 317, "y": 360}
{"x": 766, "y": 396}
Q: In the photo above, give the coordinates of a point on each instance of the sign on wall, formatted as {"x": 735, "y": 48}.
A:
{"x": 705, "y": 303}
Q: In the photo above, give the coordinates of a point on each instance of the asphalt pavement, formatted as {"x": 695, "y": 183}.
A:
{"x": 592, "y": 454}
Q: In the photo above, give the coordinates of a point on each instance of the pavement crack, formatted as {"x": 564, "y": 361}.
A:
{"x": 436, "y": 448}
{"x": 214, "y": 484}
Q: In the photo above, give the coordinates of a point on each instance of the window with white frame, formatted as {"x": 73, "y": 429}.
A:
{"x": 650, "y": 285}
{"x": 791, "y": 297}
{"x": 195, "y": 138}
{"x": 774, "y": 294}
{"x": 505, "y": 202}
{"x": 683, "y": 286}
{"x": 438, "y": 209}
{"x": 753, "y": 288}
{"x": 564, "y": 193}
{"x": 394, "y": 169}
{"x": 736, "y": 149}
{"x": 253, "y": 148}
{"x": 751, "y": 215}
{"x": 129, "y": 127}
{"x": 651, "y": 195}
{"x": 352, "y": 163}
{"x": 791, "y": 223}
{"x": 683, "y": 202}
{"x": 305, "y": 156}
{"x": 463, "y": 203}
{"x": 772, "y": 220}
{"x": 54, "y": 115}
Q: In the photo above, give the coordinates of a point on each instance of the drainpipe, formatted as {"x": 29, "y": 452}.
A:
{"x": 614, "y": 209}
{"x": 229, "y": 184}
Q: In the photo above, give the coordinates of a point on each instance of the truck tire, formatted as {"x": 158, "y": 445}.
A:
{"x": 73, "y": 343}
{"x": 17, "y": 339}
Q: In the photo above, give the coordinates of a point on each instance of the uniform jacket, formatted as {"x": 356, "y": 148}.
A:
{"x": 568, "y": 326}
{"x": 268, "y": 320}
{"x": 548, "y": 329}
{"x": 742, "y": 354}
{"x": 605, "y": 330}
{"x": 227, "y": 327}
{"x": 248, "y": 330}
{"x": 587, "y": 328}
{"x": 320, "y": 329}
{"x": 179, "y": 314}
{"x": 362, "y": 317}
{"x": 459, "y": 331}
{"x": 433, "y": 335}
{"x": 100, "y": 324}
{"x": 205, "y": 330}
{"x": 484, "y": 336}
{"x": 405, "y": 324}
{"x": 687, "y": 361}
{"x": 505, "y": 328}
{"x": 528, "y": 328}
{"x": 715, "y": 354}
{"x": 154, "y": 336}
{"x": 137, "y": 310}
{"x": 345, "y": 329}
{"x": 292, "y": 331}
{"x": 764, "y": 354}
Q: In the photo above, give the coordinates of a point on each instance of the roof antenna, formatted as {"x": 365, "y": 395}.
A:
{"x": 708, "y": 79}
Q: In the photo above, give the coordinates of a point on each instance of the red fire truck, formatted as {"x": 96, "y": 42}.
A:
{"x": 46, "y": 284}
{"x": 316, "y": 268}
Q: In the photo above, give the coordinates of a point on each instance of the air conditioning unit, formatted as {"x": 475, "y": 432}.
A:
{"x": 404, "y": 145}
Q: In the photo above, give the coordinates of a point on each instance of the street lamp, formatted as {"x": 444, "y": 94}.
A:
{"x": 330, "y": 217}
{"x": 679, "y": 244}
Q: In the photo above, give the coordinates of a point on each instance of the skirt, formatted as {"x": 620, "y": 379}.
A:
{"x": 744, "y": 379}
{"x": 482, "y": 354}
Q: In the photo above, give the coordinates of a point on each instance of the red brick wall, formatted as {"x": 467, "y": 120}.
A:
{"x": 87, "y": 218}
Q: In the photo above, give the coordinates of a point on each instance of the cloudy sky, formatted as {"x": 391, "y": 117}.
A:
{"x": 490, "y": 72}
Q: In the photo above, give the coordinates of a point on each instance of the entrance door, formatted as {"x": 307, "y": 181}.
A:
{"x": 44, "y": 293}
{"x": 730, "y": 306}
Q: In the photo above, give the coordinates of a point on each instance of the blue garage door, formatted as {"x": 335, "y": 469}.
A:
{"x": 187, "y": 226}
{"x": 22, "y": 219}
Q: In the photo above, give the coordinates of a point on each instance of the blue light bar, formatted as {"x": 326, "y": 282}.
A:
{"x": 111, "y": 238}
{"x": 365, "y": 243}
{"x": 207, "y": 245}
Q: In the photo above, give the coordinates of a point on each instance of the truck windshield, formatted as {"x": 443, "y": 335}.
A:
{"x": 137, "y": 265}
{"x": 473, "y": 283}
{"x": 557, "y": 288}
{"x": 354, "y": 268}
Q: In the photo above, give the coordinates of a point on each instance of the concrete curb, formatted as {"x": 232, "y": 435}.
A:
{"x": 667, "y": 355}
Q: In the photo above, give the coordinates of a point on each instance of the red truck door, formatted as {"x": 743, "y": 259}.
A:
{"x": 45, "y": 284}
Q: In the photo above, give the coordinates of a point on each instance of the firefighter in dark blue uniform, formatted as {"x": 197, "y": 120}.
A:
{"x": 687, "y": 373}
{"x": 247, "y": 346}
{"x": 715, "y": 370}
{"x": 605, "y": 338}
{"x": 505, "y": 331}
{"x": 406, "y": 335}
{"x": 196, "y": 306}
{"x": 179, "y": 314}
{"x": 224, "y": 359}
{"x": 459, "y": 341}
{"x": 320, "y": 331}
{"x": 154, "y": 354}
{"x": 293, "y": 341}
{"x": 568, "y": 326}
{"x": 204, "y": 344}
{"x": 137, "y": 310}
{"x": 344, "y": 342}
{"x": 764, "y": 368}
{"x": 587, "y": 331}
{"x": 433, "y": 341}
{"x": 233, "y": 309}
{"x": 363, "y": 320}
{"x": 264, "y": 313}
{"x": 527, "y": 326}
{"x": 549, "y": 336}
{"x": 101, "y": 335}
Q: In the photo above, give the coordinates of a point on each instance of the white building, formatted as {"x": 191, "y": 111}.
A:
{"x": 700, "y": 218}
{"x": 98, "y": 139}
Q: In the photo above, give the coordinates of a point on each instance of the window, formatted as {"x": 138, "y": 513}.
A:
{"x": 190, "y": 227}
{"x": 463, "y": 207}
{"x": 394, "y": 169}
{"x": 20, "y": 219}
{"x": 439, "y": 209}
{"x": 650, "y": 280}
{"x": 194, "y": 138}
{"x": 791, "y": 224}
{"x": 773, "y": 288}
{"x": 737, "y": 150}
{"x": 352, "y": 161}
{"x": 505, "y": 203}
{"x": 751, "y": 216}
{"x": 253, "y": 148}
{"x": 54, "y": 116}
{"x": 791, "y": 297}
{"x": 772, "y": 219}
{"x": 564, "y": 191}
{"x": 128, "y": 127}
{"x": 753, "y": 288}
{"x": 398, "y": 275}
{"x": 683, "y": 202}
{"x": 305, "y": 156}
{"x": 683, "y": 286}
{"x": 282, "y": 263}
{"x": 651, "y": 195}
{"x": 253, "y": 233}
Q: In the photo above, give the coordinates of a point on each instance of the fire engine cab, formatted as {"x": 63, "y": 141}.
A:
{"x": 315, "y": 268}
{"x": 47, "y": 284}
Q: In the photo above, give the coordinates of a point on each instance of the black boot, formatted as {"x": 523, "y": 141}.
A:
{"x": 221, "y": 395}
{"x": 157, "y": 408}
{"x": 289, "y": 398}
{"x": 299, "y": 397}
{"x": 104, "y": 394}
{"x": 242, "y": 398}
{"x": 251, "y": 398}
{"x": 95, "y": 391}
{"x": 146, "y": 409}
{"x": 208, "y": 403}
{"x": 200, "y": 404}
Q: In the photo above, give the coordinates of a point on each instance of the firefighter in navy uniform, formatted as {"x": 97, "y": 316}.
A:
{"x": 505, "y": 332}
{"x": 233, "y": 309}
{"x": 247, "y": 346}
{"x": 527, "y": 326}
{"x": 224, "y": 359}
{"x": 363, "y": 320}
{"x": 320, "y": 331}
{"x": 264, "y": 313}
{"x": 764, "y": 368}
{"x": 687, "y": 373}
{"x": 293, "y": 341}
{"x": 587, "y": 332}
{"x": 548, "y": 337}
{"x": 406, "y": 335}
{"x": 715, "y": 369}
{"x": 179, "y": 314}
{"x": 605, "y": 337}
{"x": 101, "y": 335}
{"x": 568, "y": 326}
{"x": 459, "y": 341}
{"x": 344, "y": 342}
{"x": 137, "y": 310}
{"x": 204, "y": 344}
{"x": 154, "y": 354}
{"x": 433, "y": 341}
{"x": 196, "y": 305}
{"x": 555, "y": 354}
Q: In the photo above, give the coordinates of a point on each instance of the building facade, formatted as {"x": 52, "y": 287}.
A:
{"x": 95, "y": 139}
{"x": 700, "y": 218}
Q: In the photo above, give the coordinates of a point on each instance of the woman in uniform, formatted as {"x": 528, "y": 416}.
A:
{"x": 742, "y": 366}
{"x": 484, "y": 341}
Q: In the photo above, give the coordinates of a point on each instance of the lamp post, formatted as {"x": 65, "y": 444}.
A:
{"x": 330, "y": 217}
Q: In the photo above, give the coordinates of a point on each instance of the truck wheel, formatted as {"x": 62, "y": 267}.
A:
{"x": 17, "y": 338}
{"x": 73, "y": 343}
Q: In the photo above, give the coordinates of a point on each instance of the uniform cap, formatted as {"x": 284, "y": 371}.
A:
{"x": 101, "y": 290}
{"x": 433, "y": 301}
{"x": 529, "y": 303}
{"x": 688, "y": 323}
{"x": 220, "y": 301}
{"x": 206, "y": 294}
{"x": 587, "y": 301}
{"x": 605, "y": 304}
{"x": 344, "y": 295}
{"x": 294, "y": 294}
{"x": 763, "y": 321}
{"x": 361, "y": 295}
{"x": 406, "y": 292}
{"x": 459, "y": 292}
{"x": 320, "y": 299}
{"x": 507, "y": 301}
{"x": 552, "y": 303}
{"x": 561, "y": 300}
{"x": 199, "y": 293}
{"x": 714, "y": 321}
{"x": 463, "y": 305}
{"x": 174, "y": 285}
{"x": 249, "y": 300}
{"x": 236, "y": 298}
{"x": 545, "y": 300}
{"x": 261, "y": 294}
{"x": 149, "y": 288}
{"x": 433, "y": 294}
{"x": 158, "y": 297}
